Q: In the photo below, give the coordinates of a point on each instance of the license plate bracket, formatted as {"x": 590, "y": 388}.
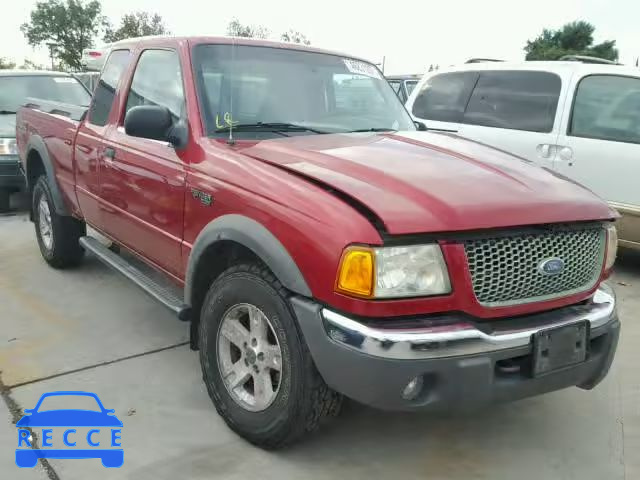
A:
{"x": 559, "y": 347}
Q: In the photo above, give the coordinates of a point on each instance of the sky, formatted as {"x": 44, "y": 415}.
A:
{"x": 410, "y": 35}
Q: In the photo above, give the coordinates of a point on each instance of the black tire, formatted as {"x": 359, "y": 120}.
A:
{"x": 303, "y": 399}
{"x": 65, "y": 251}
{"x": 5, "y": 200}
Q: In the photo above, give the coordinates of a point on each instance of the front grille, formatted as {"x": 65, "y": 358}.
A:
{"x": 505, "y": 270}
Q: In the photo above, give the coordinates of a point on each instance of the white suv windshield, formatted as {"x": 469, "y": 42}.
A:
{"x": 247, "y": 85}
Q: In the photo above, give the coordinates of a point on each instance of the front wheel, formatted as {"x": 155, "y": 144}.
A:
{"x": 255, "y": 363}
{"x": 58, "y": 236}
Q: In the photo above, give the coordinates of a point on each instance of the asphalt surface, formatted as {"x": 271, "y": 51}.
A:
{"x": 89, "y": 329}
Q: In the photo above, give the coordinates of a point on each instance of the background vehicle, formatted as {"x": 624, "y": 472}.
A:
{"x": 16, "y": 86}
{"x": 88, "y": 79}
{"x": 580, "y": 119}
{"x": 403, "y": 85}
{"x": 319, "y": 245}
{"x": 93, "y": 58}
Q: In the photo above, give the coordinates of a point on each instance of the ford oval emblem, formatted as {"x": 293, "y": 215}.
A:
{"x": 551, "y": 266}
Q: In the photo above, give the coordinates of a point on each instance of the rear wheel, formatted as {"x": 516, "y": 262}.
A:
{"x": 58, "y": 236}
{"x": 255, "y": 363}
{"x": 5, "y": 200}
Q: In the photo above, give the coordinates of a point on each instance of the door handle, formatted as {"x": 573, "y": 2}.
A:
{"x": 544, "y": 150}
{"x": 108, "y": 155}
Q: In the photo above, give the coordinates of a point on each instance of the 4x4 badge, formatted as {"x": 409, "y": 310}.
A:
{"x": 205, "y": 198}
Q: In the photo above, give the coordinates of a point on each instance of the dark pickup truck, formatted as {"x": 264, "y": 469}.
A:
{"x": 16, "y": 86}
{"x": 318, "y": 243}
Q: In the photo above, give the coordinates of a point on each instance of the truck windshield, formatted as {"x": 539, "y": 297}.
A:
{"x": 266, "y": 91}
{"x": 14, "y": 90}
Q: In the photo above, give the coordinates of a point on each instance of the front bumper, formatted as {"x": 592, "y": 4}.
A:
{"x": 462, "y": 363}
{"x": 11, "y": 176}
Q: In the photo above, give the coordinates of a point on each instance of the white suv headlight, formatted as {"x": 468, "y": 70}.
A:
{"x": 393, "y": 272}
{"x": 8, "y": 146}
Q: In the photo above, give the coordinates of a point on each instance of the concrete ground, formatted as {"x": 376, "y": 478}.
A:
{"x": 89, "y": 329}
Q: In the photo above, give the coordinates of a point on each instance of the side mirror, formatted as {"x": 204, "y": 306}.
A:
{"x": 148, "y": 121}
{"x": 420, "y": 126}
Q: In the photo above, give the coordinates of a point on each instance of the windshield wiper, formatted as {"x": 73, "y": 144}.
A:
{"x": 6, "y": 112}
{"x": 277, "y": 127}
{"x": 373, "y": 129}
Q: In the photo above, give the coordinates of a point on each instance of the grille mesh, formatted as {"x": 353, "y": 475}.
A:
{"x": 504, "y": 270}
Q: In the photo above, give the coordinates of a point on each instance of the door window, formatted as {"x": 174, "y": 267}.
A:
{"x": 607, "y": 107}
{"x": 443, "y": 97}
{"x": 106, "y": 90}
{"x": 517, "y": 100}
{"x": 158, "y": 81}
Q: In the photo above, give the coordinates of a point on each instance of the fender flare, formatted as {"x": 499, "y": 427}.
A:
{"x": 255, "y": 237}
{"x": 37, "y": 144}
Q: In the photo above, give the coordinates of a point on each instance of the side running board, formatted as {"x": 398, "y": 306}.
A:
{"x": 163, "y": 294}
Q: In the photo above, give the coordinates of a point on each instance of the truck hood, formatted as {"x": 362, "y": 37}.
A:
{"x": 417, "y": 182}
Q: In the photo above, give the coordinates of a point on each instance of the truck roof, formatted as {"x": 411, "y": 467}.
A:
{"x": 158, "y": 40}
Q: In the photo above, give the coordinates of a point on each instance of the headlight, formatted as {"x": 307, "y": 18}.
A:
{"x": 8, "y": 146}
{"x": 612, "y": 246}
{"x": 392, "y": 272}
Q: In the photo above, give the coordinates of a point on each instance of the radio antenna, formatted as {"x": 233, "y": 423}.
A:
{"x": 231, "y": 140}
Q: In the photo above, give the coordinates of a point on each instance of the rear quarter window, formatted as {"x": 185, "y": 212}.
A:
{"x": 607, "y": 107}
{"x": 516, "y": 100}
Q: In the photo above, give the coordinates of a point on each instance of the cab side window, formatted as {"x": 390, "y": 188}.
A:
{"x": 158, "y": 81}
{"x": 444, "y": 97}
{"x": 105, "y": 91}
{"x": 607, "y": 107}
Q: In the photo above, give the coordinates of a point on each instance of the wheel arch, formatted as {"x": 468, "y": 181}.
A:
{"x": 228, "y": 240}
{"x": 38, "y": 162}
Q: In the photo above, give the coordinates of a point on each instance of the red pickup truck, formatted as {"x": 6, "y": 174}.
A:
{"x": 317, "y": 241}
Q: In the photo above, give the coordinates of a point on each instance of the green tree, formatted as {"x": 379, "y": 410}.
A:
{"x": 6, "y": 64}
{"x": 575, "y": 38}
{"x": 138, "y": 24}
{"x": 236, "y": 29}
{"x": 66, "y": 27}
{"x": 294, "y": 36}
{"x": 31, "y": 65}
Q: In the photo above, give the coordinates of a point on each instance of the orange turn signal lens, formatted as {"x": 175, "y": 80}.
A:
{"x": 355, "y": 276}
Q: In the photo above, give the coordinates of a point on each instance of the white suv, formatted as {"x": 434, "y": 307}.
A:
{"x": 581, "y": 120}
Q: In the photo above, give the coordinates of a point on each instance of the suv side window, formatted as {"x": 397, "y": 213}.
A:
{"x": 517, "y": 100}
{"x": 607, "y": 107}
{"x": 158, "y": 81}
{"x": 444, "y": 97}
{"x": 105, "y": 91}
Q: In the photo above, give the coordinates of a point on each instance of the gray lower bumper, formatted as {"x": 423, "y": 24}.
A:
{"x": 460, "y": 364}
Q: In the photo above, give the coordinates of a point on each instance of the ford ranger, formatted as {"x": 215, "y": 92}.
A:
{"x": 319, "y": 244}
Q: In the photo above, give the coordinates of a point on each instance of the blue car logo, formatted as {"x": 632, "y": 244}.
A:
{"x": 551, "y": 266}
{"x": 105, "y": 430}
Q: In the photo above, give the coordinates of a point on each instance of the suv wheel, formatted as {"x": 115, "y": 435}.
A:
{"x": 255, "y": 363}
{"x": 57, "y": 235}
